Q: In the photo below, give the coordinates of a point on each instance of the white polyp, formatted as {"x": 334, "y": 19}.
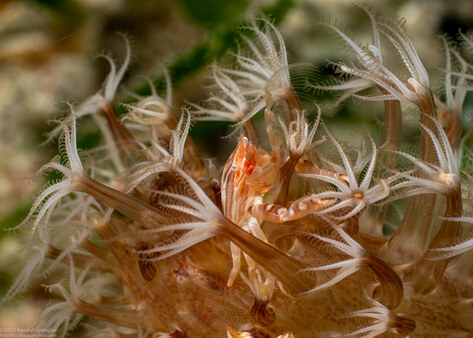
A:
{"x": 418, "y": 88}
{"x": 376, "y": 52}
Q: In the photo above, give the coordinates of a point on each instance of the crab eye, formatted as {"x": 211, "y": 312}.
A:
{"x": 234, "y": 167}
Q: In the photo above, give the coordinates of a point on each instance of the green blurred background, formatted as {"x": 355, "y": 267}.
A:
{"x": 47, "y": 50}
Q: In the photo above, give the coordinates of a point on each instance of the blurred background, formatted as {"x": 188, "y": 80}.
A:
{"x": 47, "y": 56}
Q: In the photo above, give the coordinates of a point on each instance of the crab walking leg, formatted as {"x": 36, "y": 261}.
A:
{"x": 307, "y": 167}
{"x": 253, "y": 228}
{"x": 262, "y": 284}
{"x": 284, "y": 267}
{"x": 300, "y": 208}
{"x": 236, "y": 260}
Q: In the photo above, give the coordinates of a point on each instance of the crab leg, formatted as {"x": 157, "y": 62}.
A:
{"x": 300, "y": 208}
